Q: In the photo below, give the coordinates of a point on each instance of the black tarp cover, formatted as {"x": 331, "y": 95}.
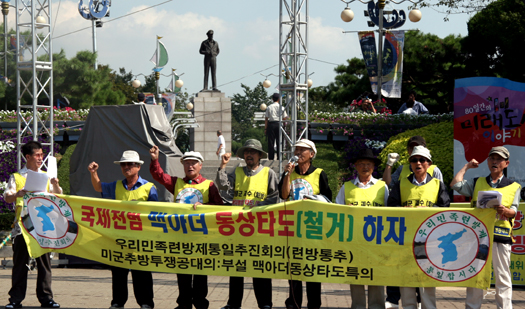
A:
{"x": 109, "y": 131}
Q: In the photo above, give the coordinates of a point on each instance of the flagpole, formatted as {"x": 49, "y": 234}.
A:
{"x": 157, "y": 75}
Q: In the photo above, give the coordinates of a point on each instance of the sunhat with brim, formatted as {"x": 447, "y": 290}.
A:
{"x": 500, "y": 150}
{"x": 366, "y": 154}
{"x": 252, "y": 144}
{"x": 192, "y": 155}
{"x": 421, "y": 151}
{"x": 306, "y": 144}
{"x": 129, "y": 156}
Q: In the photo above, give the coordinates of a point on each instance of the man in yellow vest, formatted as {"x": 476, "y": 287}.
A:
{"x": 252, "y": 185}
{"x": 14, "y": 192}
{"x": 366, "y": 191}
{"x": 132, "y": 188}
{"x": 497, "y": 161}
{"x": 419, "y": 190}
{"x": 296, "y": 182}
{"x": 196, "y": 190}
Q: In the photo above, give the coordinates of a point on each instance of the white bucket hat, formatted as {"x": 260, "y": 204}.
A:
{"x": 129, "y": 156}
{"x": 192, "y": 155}
{"x": 421, "y": 151}
{"x": 306, "y": 144}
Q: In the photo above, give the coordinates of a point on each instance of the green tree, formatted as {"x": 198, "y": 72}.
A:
{"x": 430, "y": 66}
{"x": 243, "y": 108}
{"x": 351, "y": 81}
{"x": 84, "y": 86}
{"x": 122, "y": 82}
{"x": 494, "y": 38}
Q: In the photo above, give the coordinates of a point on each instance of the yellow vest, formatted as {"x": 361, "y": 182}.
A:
{"x": 425, "y": 195}
{"x": 373, "y": 196}
{"x": 139, "y": 194}
{"x": 405, "y": 172}
{"x": 501, "y": 227}
{"x": 249, "y": 191}
{"x": 191, "y": 193}
{"x": 305, "y": 184}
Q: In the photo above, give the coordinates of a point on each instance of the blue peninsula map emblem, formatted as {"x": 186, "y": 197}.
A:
{"x": 451, "y": 246}
{"x": 50, "y": 220}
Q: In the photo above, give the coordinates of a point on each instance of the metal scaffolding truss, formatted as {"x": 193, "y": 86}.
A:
{"x": 293, "y": 74}
{"x": 34, "y": 73}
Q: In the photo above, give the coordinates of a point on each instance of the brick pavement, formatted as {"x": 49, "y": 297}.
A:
{"x": 91, "y": 288}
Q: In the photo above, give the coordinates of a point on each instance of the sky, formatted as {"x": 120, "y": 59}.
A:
{"x": 247, "y": 32}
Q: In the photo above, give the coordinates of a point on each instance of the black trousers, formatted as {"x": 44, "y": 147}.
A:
{"x": 272, "y": 132}
{"x": 142, "y": 286}
{"x": 193, "y": 292}
{"x": 295, "y": 296}
{"x": 262, "y": 287}
{"x": 210, "y": 63}
{"x": 19, "y": 274}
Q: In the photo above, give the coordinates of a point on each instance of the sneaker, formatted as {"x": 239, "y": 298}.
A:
{"x": 418, "y": 305}
{"x": 13, "y": 305}
{"x": 50, "y": 304}
{"x": 116, "y": 306}
{"x": 389, "y": 305}
{"x": 145, "y": 307}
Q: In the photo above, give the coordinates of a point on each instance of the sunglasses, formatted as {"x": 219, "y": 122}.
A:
{"x": 420, "y": 160}
{"x": 124, "y": 164}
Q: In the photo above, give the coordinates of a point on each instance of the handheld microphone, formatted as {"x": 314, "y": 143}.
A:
{"x": 292, "y": 160}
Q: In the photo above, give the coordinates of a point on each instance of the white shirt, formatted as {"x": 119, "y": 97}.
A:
{"x": 340, "y": 199}
{"x": 221, "y": 142}
{"x": 272, "y": 112}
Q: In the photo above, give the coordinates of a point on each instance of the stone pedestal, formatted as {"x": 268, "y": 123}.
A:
{"x": 213, "y": 111}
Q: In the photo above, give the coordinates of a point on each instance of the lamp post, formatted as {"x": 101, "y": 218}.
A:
{"x": 376, "y": 14}
{"x": 95, "y": 10}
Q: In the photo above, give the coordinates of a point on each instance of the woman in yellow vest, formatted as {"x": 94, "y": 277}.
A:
{"x": 366, "y": 191}
{"x": 419, "y": 190}
{"x": 404, "y": 170}
{"x": 132, "y": 188}
{"x": 497, "y": 161}
{"x": 304, "y": 179}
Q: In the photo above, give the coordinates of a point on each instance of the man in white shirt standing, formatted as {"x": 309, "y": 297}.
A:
{"x": 221, "y": 145}
{"x": 14, "y": 193}
{"x": 271, "y": 125}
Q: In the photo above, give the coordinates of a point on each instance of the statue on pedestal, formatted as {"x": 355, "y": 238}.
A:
{"x": 210, "y": 50}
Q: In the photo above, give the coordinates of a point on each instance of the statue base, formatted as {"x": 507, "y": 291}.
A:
{"x": 212, "y": 109}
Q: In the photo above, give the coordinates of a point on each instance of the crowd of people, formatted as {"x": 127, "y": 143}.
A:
{"x": 418, "y": 184}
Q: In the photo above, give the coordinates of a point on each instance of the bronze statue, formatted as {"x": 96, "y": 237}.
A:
{"x": 210, "y": 50}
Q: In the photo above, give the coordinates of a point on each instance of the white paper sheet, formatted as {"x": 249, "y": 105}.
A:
{"x": 488, "y": 199}
{"x": 36, "y": 181}
{"x": 52, "y": 170}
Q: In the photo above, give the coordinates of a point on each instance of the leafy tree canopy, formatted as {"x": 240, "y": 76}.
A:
{"x": 243, "y": 108}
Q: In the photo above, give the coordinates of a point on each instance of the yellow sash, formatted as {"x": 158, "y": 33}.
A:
{"x": 373, "y": 196}
{"x": 305, "y": 184}
{"x": 425, "y": 195}
{"x": 249, "y": 191}
{"x": 139, "y": 194}
{"x": 186, "y": 193}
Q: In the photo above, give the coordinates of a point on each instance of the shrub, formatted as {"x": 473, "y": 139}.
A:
{"x": 440, "y": 142}
{"x": 6, "y": 220}
{"x": 63, "y": 169}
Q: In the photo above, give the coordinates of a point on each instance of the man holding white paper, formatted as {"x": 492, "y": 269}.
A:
{"x": 497, "y": 161}
{"x": 16, "y": 189}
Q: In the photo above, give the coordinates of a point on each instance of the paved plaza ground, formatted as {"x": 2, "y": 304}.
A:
{"x": 91, "y": 288}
